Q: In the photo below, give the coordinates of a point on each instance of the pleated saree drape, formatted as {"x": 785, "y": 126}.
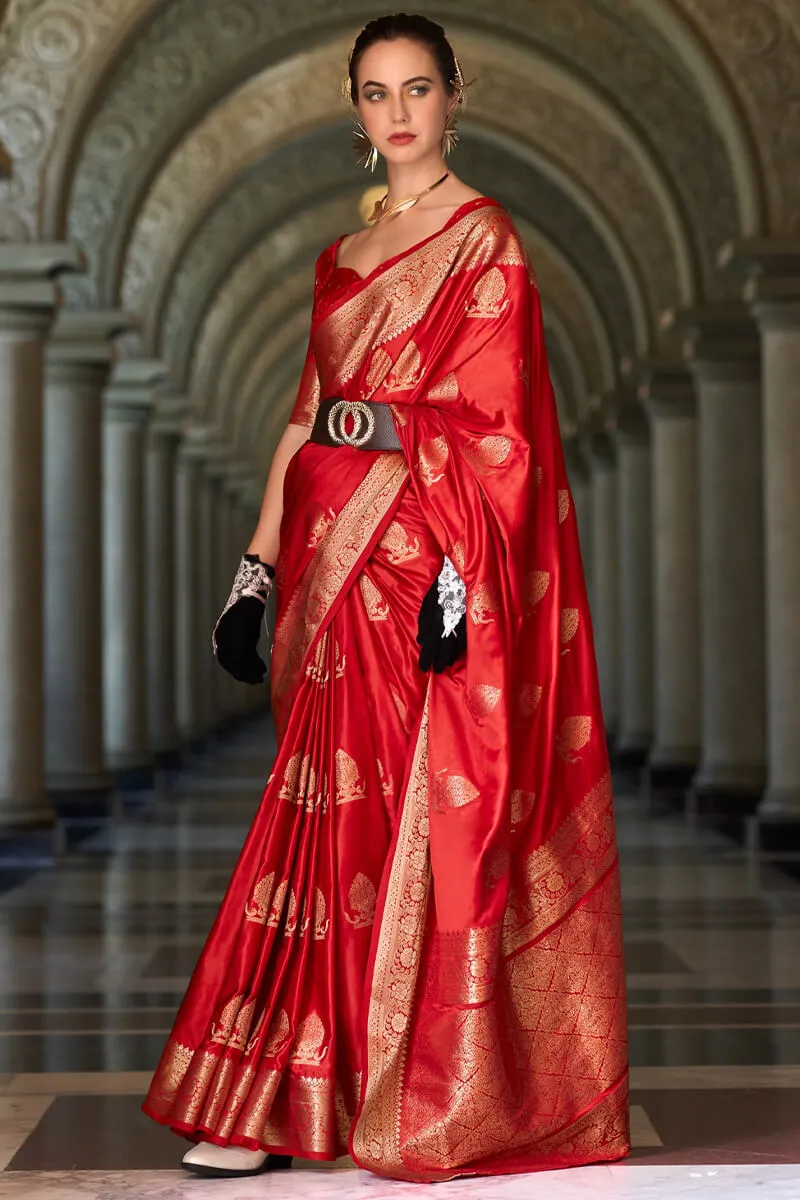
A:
{"x": 419, "y": 958}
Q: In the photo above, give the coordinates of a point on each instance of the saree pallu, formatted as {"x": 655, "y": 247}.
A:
{"x": 419, "y": 955}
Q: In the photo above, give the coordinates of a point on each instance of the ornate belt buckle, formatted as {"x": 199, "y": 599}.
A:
{"x": 362, "y": 414}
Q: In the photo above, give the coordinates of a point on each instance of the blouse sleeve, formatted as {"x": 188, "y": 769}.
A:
{"x": 308, "y": 393}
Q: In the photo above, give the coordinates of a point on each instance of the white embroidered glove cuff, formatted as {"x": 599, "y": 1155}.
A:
{"x": 452, "y": 594}
{"x": 252, "y": 579}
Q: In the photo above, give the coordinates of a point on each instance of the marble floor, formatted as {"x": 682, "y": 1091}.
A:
{"x": 97, "y": 943}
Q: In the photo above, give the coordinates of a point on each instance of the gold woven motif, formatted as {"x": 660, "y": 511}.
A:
{"x": 278, "y": 901}
{"x": 387, "y": 781}
{"x": 452, "y": 791}
{"x": 377, "y": 608}
{"x": 397, "y": 545}
{"x": 491, "y": 451}
{"x": 483, "y": 603}
{"x": 432, "y": 454}
{"x": 488, "y": 299}
{"x": 445, "y": 389}
{"x": 379, "y": 367}
{"x": 570, "y": 624}
{"x": 350, "y": 784}
{"x": 482, "y": 699}
{"x": 522, "y": 803}
{"x": 279, "y": 1033}
{"x": 233, "y": 1024}
{"x": 528, "y": 698}
{"x": 319, "y": 526}
{"x": 407, "y": 372}
{"x": 257, "y": 908}
{"x": 363, "y": 900}
{"x": 536, "y": 585}
{"x": 573, "y": 736}
{"x": 309, "y": 1047}
{"x": 299, "y": 784}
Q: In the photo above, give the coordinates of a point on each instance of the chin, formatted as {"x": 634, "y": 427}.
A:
{"x": 413, "y": 152}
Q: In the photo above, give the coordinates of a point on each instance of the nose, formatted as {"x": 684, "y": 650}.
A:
{"x": 399, "y": 110}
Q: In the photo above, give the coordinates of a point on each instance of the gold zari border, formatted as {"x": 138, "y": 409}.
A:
{"x": 327, "y": 574}
{"x": 376, "y": 1132}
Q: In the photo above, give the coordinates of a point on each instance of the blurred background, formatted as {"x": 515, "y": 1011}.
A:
{"x": 169, "y": 172}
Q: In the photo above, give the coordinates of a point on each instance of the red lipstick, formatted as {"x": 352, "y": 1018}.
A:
{"x": 402, "y": 139}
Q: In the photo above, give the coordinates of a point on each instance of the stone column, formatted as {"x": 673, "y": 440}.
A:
{"x": 605, "y": 576}
{"x": 580, "y": 482}
{"x": 722, "y": 349}
{"x": 670, "y": 401}
{"x": 632, "y": 439}
{"x": 219, "y": 471}
{"x": 28, "y": 300}
{"x": 191, "y": 644}
{"x": 779, "y": 322}
{"x": 239, "y": 531}
{"x": 163, "y": 438}
{"x": 78, "y": 361}
{"x": 772, "y": 291}
{"x": 128, "y": 407}
{"x": 210, "y": 605}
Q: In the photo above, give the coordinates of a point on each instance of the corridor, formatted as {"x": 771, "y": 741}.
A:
{"x": 97, "y": 948}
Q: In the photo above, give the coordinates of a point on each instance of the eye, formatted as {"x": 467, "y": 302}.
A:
{"x": 420, "y": 89}
{"x": 374, "y": 95}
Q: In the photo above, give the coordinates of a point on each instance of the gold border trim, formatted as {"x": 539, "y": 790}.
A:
{"x": 376, "y": 1133}
{"x": 325, "y": 577}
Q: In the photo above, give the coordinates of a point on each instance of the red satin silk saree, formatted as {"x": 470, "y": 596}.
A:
{"x": 419, "y": 956}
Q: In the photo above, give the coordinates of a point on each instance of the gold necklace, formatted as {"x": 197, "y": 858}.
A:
{"x": 380, "y": 211}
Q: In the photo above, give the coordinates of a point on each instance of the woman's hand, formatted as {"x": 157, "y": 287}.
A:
{"x": 236, "y": 633}
{"x": 442, "y": 625}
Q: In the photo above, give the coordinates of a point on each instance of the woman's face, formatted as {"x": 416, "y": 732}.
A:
{"x": 402, "y": 100}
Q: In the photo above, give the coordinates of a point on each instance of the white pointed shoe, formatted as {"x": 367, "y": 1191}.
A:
{"x": 224, "y": 1162}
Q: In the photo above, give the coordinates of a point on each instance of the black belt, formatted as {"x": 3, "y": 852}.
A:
{"x": 368, "y": 427}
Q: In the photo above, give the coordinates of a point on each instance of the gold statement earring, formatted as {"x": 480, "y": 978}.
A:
{"x": 366, "y": 153}
{"x": 450, "y": 137}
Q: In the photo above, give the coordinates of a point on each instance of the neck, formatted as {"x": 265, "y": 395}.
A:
{"x": 408, "y": 179}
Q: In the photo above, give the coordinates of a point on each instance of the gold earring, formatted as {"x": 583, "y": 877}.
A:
{"x": 367, "y": 155}
{"x": 450, "y": 135}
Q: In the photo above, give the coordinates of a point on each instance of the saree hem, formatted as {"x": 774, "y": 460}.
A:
{"x": 198, "y": 1135}
{"x": 546, "y": 1164}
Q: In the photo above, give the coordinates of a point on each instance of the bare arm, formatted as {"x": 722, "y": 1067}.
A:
{"x": 266, "y": 539}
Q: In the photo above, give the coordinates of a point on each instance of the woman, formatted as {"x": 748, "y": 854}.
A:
{"x": 418, "y": 959}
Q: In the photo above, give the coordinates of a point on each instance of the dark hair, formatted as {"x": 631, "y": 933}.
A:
{"x": 417, "y": 29}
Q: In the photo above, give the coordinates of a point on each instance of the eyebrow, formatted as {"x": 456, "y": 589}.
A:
{"x": 405, "y": 83}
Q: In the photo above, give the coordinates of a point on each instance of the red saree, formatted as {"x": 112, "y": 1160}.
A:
{"x": 419, "y": 958}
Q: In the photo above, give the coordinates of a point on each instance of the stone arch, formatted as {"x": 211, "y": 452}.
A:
{"x": 754, "y": 54}
{"x": 282, "y": 102}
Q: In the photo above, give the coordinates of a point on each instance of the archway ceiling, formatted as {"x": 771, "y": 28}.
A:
{"x": 563, "y": 121}
{"x": 127, "y": 66}
{"x": 601, "y": 113}
{"x": 257, "y": 205}
{"x": 247, "y": 346}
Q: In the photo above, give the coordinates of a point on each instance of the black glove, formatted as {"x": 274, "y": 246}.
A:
{"x": 437, "y": 649}
{"x": 237, "y": 631}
